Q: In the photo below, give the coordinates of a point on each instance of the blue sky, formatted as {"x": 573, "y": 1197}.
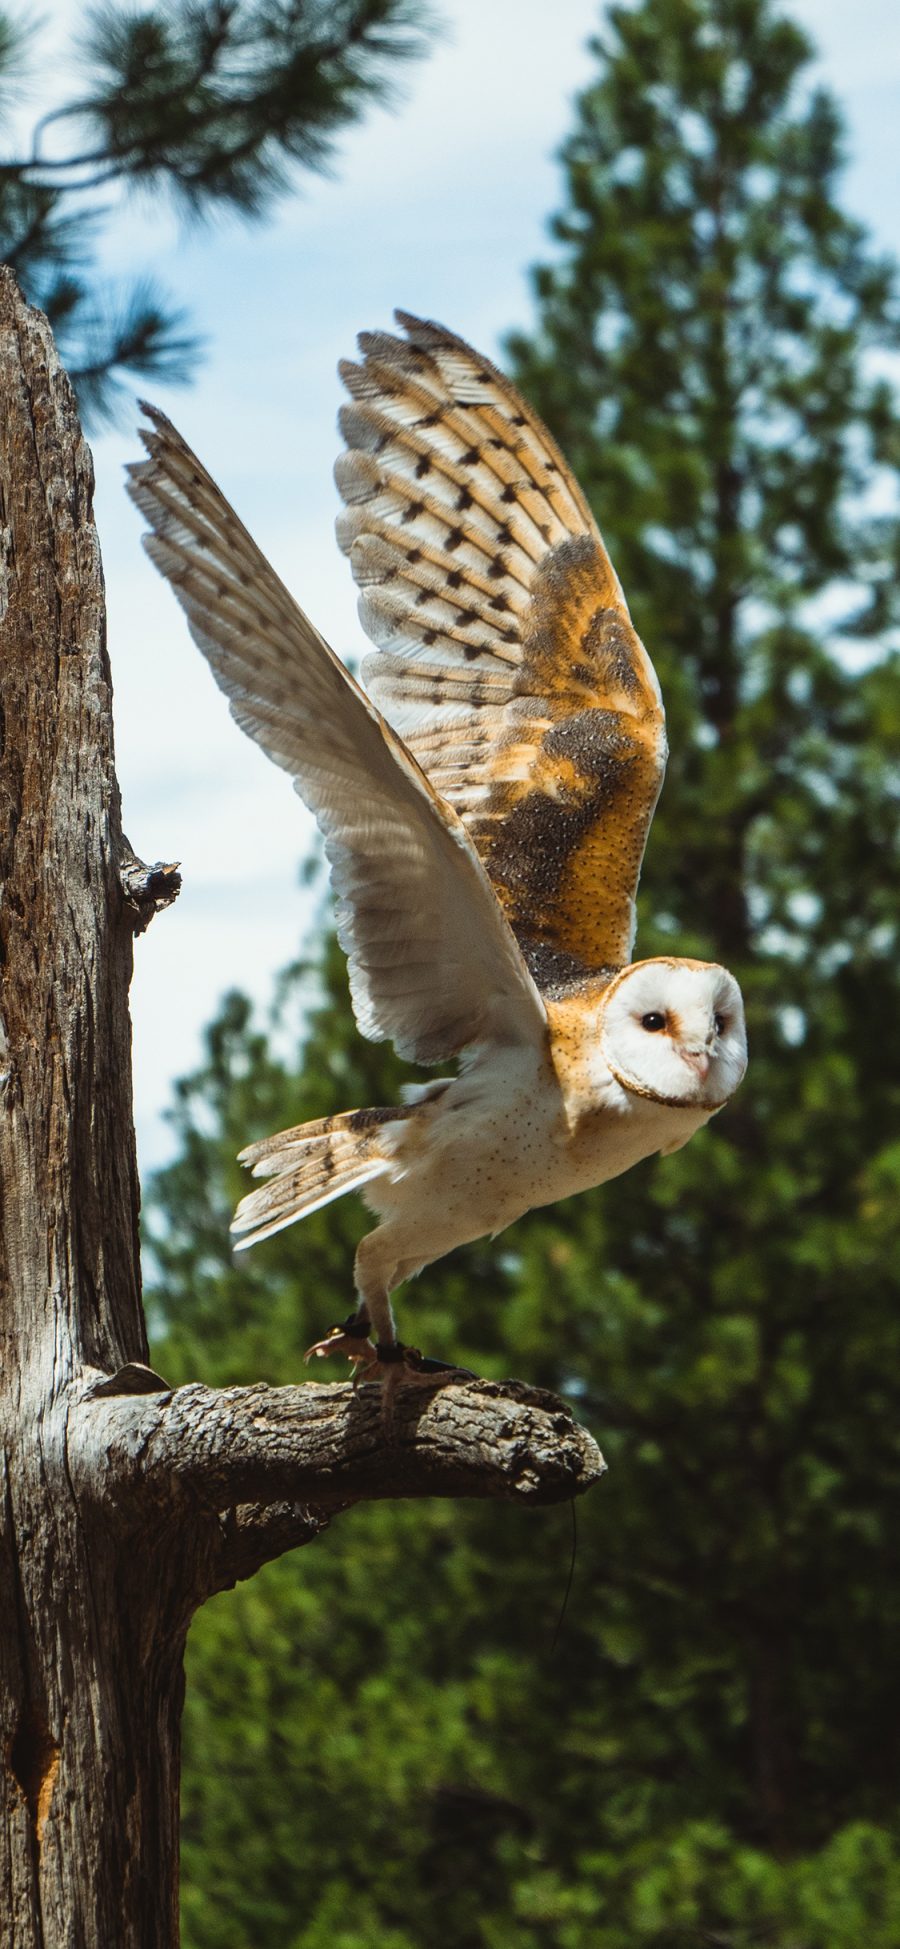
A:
{"x": 439, "y": 208}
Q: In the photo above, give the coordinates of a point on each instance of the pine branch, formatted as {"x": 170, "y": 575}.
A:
{"x": 217, "y": 103}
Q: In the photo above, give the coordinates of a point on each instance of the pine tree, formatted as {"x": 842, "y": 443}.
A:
{"x": 705, "y": 352}
{"x": 216, "y": 106}
{"x": 712, "y": 1755}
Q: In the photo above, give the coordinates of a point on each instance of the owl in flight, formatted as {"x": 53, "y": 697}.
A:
{"x": 485, "y": 804}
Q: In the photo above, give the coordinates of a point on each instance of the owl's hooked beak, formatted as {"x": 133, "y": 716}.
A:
{"x": 698, "y": 1060}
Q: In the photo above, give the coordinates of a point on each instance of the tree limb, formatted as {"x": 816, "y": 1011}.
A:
{"x": 254, "y": 1533}
{"x": 272, "y": 1463}
{"x": 147, "y": 889}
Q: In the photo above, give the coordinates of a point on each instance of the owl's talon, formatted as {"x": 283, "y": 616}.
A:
{"x": 407, "y": 1366}
{"x": 350, "y": 1339}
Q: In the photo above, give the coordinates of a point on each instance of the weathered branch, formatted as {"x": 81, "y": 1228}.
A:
{"x": 217, "y": 1482}
{"x": 255, "y": 1533}
{"x": 147, "y": 889}
{"x": 318, "y": 1449}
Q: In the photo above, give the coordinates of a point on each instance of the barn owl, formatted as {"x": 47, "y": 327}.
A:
{"x": 484, "y": 802}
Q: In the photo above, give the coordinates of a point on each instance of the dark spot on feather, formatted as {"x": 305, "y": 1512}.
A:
{"x": 429, "y": 636}
{"x": 544, "y": 530}
{"x": 539, "y": 835}
{"x": 453, "y": 539}
{"x": 432, "y": 419}
{"x": 328, "y": 1165}
{"x": 412, "y": 510}
{"x": 504, "y": 533}
{"x": 368, "y": 1119}
{"x": 471, "y": 457}
{"x": 423, "y": 466}
{"x": 597, "y": 744}
{"x": 510, "y": 493}
{"x": 470, "y": 651}
{"x": 557, "y": 973}
{"x": 533, "y": 845}
{"x": 454, "y": 578}
{"x": 422, "y": 596}
{"x": 608, "y": 643}
{"x": 497, "y": 569}
{"x": 467, "y": 616}
{"x": 463, "y": 500}
{"x": 484, "y": 378}
{"x": 414, "y": 554}
{"x": 499, "y": 602}
{"x": 518, "y": 419}
{"x": 509, "y": 636}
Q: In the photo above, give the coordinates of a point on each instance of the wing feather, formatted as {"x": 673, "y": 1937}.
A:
{"x": 433, "y": 963}
{"x": 505, "y": 652}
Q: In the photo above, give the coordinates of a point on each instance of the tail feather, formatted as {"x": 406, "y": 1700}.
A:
{"x": 308, "y": 1167}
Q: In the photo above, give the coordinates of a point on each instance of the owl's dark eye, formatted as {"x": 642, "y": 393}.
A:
{"x": 720, "y": 1024}
{"x": 654, "y": 1022}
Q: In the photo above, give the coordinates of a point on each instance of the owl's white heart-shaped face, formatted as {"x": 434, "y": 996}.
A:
{"x": 674, "y": 1031}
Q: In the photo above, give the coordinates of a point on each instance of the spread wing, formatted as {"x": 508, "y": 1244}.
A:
{"x": 433, "y": 964}
{"x": 506, "y": 656}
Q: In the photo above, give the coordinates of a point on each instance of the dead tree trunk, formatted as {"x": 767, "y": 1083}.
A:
{"x": 124, "y": 1505}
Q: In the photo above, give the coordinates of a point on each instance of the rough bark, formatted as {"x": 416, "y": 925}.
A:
{"x": 123, "y": 1504}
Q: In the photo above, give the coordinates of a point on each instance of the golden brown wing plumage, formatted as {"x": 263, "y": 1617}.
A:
{"x": 433, "y": 964}
{"x": 506, "y": 655}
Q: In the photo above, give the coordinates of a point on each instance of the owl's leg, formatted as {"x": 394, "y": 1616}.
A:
{"x": 395, "y": 1366}
{"x": 377, "y": 1272}
{"x": 374, "y": 1280}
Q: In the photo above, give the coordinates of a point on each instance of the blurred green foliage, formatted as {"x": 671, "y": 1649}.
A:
{"x": 381, "y": 1748}
{"x": 214, "y": 104}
